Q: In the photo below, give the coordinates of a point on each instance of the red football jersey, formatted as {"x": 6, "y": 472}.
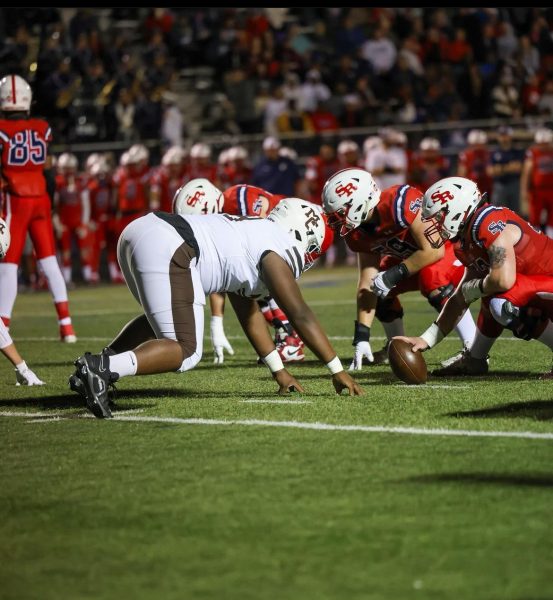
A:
{"x": 165, "y": 183}
{"x": 24, "y": 144}
{"x": 398, "y": 207}
{"x": 533, "y": 253}
{"x": 249, "y": 200}
{"x": 542, "y": 172}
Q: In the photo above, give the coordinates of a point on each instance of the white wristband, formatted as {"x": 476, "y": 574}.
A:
{"x": 335, "y": 365}
{"x": 273, "y": 361}
{"x": 432, "y": 335}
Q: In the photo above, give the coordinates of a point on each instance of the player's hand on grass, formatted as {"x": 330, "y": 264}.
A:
{"x": 344, "y": 381}
{"x": 417, "y": 342}
{"x": 362, "y": 351}
{"x": 286, "y": 382}
{"x": 25, "y": 376}
{"x": 219, "y": 340}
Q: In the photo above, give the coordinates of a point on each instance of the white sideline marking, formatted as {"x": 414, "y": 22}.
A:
{"x": 529, "y": 435}
{"x": 255, "y": 401}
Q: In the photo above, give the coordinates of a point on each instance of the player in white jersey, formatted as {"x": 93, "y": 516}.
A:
{"x": 170, "y": 262}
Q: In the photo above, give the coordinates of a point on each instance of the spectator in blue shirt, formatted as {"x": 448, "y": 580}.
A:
{"x": 505, "y": 168}
{"x": 274, "y": 173}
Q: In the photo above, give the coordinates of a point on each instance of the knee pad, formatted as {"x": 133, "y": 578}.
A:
{"x": 440, "y": 295}
{"x": 388, "y": 310}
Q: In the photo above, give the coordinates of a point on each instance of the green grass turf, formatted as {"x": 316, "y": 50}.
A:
{"x": 130, "y": 509}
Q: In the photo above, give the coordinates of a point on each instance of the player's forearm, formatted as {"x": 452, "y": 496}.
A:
{"x": 422, "y": 258}
{"x": 451, "y": 313}
{"x": 311, "y": 332}
{"x": 217, "y": 304}
{"x": 366, "y": 306}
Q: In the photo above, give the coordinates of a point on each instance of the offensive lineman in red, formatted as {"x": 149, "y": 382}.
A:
{"x": 26, "y": 205}
{"x": 386, "y": 231}
{"x": 509, "y": 266}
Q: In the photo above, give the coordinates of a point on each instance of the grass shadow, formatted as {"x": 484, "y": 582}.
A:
{"x": 544, "y": 480}
{"x": 538, "y": 410}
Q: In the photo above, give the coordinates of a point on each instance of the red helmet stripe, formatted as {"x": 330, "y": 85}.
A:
{"x": 14, "y": 99}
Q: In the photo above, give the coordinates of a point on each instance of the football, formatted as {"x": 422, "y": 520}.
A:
{"x": 407, "y": 365}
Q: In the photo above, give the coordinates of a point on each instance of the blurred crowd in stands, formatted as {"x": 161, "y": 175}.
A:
{"x": 180, "y": 76}
{"x": 113, "y": 74}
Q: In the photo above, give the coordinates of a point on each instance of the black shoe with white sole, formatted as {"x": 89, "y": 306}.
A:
{"x": 96, "y": 378}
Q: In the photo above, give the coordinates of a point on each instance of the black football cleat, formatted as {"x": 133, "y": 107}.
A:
{"x": 76, "y": 385}
{"x": 96, "y": 378}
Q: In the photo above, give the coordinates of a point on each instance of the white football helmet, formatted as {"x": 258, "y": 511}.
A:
{"x": 307, "y": 224}
{"x": 67, "y": 162}
{"x": 138, "y": 153}
{"x": 15, "y": 94}
{"x": 5, "y": 238}
{"x": 92, "y": 158}
{"x": 430, "y": 143}
{"x": 348, "y": 198}
{"x": 543, "y": 136}
{"x": 477, "y": 136}
{"x": 346, "y": 146}
{"x": 99, "y": 168}
{"x": 173, "y": 156}
{"x": 448, "y": 205}
{"x": 200, "y": 150}
{"x": 198, "y": 197}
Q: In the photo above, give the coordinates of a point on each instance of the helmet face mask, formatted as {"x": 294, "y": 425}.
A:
{"x": 349, "y": 197}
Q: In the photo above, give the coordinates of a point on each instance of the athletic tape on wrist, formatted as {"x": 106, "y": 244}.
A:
{"x": 335, "y": 365}
{"x": 432, "y": 335}
{"x": 273, "y": 361}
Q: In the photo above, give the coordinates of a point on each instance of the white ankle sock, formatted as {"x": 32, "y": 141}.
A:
{"x": 466, "y": 328}
{"x": 123, "y": 364}
{"x": 481, "y": 345}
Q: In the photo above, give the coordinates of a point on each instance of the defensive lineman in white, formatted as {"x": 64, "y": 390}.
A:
{"x": 171, "y": 262}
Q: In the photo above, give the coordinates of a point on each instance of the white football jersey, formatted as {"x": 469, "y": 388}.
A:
{"x": 383, "y": 158}
{"x": 232, "y": 247}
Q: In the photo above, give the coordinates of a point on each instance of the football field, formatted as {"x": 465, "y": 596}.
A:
{"x": 209, "y": 485}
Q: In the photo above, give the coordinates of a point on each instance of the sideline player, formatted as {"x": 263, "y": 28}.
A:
{"x": 196, "y": 255}
{"x": 26, "y": 205}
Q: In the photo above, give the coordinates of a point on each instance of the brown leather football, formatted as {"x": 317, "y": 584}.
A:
{"x": 407, "y": 365}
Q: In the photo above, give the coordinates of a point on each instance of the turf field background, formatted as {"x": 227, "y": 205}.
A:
{"x": 206, "y": 485}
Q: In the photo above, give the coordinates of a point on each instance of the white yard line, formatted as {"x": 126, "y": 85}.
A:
{"x": 529, "y": 435}
{"x": 256, "y": 401}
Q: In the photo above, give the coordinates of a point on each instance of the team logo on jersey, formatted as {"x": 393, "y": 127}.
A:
{"x": 193, "y": 200}
{"x": 496, "y": 228}
{"x": 257, "y": 206}
{"x": 347, "y": 189}
{"x": 415, "y": 205}
{"x": 442, "y": 197}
